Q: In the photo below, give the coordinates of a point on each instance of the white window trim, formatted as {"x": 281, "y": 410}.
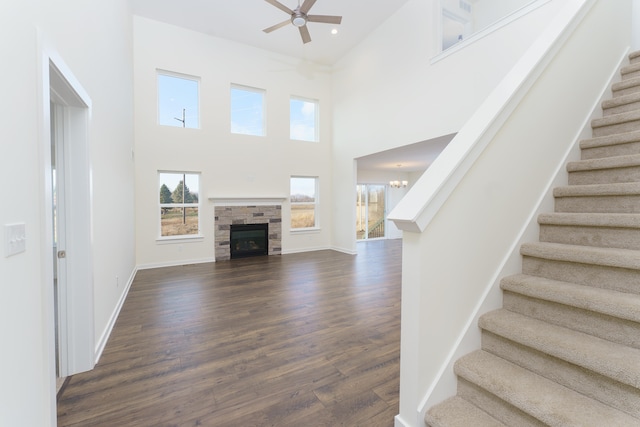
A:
{"x": 182, "y": 237}
{"x": 316, "y": 121}
{"x": 167, "y": 73}
{"x": 263, "y": 92}
{"x": 316, "y": 205}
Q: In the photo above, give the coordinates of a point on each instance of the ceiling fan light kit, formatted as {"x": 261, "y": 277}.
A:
{"x": 299, "y": 18}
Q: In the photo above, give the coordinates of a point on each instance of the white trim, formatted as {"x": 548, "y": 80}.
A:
{"x": 247, "y": 201}
{"x": 399, "y": 422}
{"x": 343, "y": 250}
{"x": 299, "y": 251}
{"x": 174, "y": 263}
{"x": 167, "y": 240}
{"x": 104, "y": 338}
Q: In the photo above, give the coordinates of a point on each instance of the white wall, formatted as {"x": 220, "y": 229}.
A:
{"x": 480, "y": 224}
{"x": 213, "y": 150}
{"x": 387, "y": 93}
{"x": 94, "y": 40}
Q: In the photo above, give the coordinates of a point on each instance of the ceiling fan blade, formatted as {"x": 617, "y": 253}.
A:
{"x": 280, "y": 6}
{"x": 308, "y": 4}
{"x": 275, "y": 27}
{"x": 325, "y": 19}
{"x": 304, "y": 33}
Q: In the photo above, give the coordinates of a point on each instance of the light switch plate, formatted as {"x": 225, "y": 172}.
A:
{"x": 15, "y": 239}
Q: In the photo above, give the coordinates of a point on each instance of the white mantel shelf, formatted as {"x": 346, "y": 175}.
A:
{"x": 247, "y": 201}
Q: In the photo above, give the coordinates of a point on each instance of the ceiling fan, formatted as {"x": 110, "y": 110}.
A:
{"x": 299, "y": 18}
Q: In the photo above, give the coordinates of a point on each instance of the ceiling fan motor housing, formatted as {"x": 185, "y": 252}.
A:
{"x": 299, "y": 19}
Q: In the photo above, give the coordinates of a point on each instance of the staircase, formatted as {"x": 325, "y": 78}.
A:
{"x": 565, "y": 348}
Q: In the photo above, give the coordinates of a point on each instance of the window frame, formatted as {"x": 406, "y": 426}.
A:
{"x": 315, "y": 203}
{"x": 263, "y": 110}
{"x": 175, "y": 75}
{"x": 316, "y": 118}
{"x": 197, "y": 205}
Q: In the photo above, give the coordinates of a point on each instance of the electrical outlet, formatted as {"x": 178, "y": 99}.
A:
{"x": 15, "y": 239}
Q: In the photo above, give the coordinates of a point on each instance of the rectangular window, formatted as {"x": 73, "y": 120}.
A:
{"x": 179, "y": 204}
{"x": 303, "y": 119}
{"x": 178, "y": 100}
{"x": 247, "y": 110}
{"x": 304, "y": 202}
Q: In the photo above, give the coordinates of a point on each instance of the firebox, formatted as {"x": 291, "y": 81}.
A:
{"x": 249, "y": 240}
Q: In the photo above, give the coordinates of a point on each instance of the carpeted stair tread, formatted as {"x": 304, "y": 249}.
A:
{"x": 613, "y": 360}
{"x": 608, "y": 257}
{"x": 604, "y": 301}
{"x": 625, "y": 86}
{"x": 547, "y": 401}
{"x": 629, "y": 69}
{"x": 610, "y": 140}
{"x": 615, "y": 119}
{"x": 604, "y": 163}
{"x": 458, "y": 412}
{"x": 615, "y": 189}
{"x": 634, "y": 56}
{"x": 612, "y": 220}
{"x": 620, "y": 104}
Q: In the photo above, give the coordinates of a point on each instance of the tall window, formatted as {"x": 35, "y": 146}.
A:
{"x": 247, "y": 110}
{"x": 304, "y": 202}
{"x": 179, "y": 204}
{"x": 178, "y": 100}
{"x": 303, "y": 119}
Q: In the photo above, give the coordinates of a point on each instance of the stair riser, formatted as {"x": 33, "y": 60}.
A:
{"x": 621, "y": 108}
{"x": 606, "y": 390}
{"x": 605, "y": 176}
{"x": 610, "y": 151}
{"x": 598, "y": 204}
{"x": 634, "y": 58}
{"x": 612, "y": 129}
{"x": 600, "y": 325}
{"x": 617, "y": 279}
{"x": 623, "y": 238}
{"x": 626, "y": 91}
{"x": 630, "y": 74}
{"x": 494, "y": 406}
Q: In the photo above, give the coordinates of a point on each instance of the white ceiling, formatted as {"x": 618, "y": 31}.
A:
{"x": 244, "y": 20}
{"x": 409, "y": 158}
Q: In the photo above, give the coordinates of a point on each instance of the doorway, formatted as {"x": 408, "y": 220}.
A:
{"x": 67, "y": 192}
{"x": 371, "y": 211}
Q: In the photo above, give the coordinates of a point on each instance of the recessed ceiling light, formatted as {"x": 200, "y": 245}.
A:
{"x": 334, "y": 31}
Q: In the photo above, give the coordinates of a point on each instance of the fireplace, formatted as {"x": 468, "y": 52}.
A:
{"x": 249, "y": 240}
{"x": 246, "y": 211}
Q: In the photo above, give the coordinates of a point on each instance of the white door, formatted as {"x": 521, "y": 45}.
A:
{"x": 59, "y": 238}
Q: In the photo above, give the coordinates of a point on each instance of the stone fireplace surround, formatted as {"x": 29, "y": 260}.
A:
{"x": 229, "y": 211}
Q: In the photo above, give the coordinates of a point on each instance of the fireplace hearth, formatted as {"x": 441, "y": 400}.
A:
{"x": 248, "y": 240}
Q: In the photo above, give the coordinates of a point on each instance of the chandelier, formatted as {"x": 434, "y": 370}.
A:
{"x": 398, "y": 184}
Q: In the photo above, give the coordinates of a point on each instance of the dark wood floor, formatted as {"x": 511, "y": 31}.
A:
{"x": 310, "y": 339}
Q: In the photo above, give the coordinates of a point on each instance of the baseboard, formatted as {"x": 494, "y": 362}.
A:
{"x": 343, "y": 250}
{"x": 174, "y": 263}
{"x": 399, "y": 422}
{"x": 298, "y": 251}
{"x": 102, "y": 342}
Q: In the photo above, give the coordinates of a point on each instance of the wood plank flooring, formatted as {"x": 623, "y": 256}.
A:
{"x": 310, "y": 339}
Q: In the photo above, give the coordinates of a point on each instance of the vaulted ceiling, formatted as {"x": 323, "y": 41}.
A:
{"x": 244, "y": 21}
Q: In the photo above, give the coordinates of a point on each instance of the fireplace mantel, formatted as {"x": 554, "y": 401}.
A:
{"x": 247, "y": 201}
